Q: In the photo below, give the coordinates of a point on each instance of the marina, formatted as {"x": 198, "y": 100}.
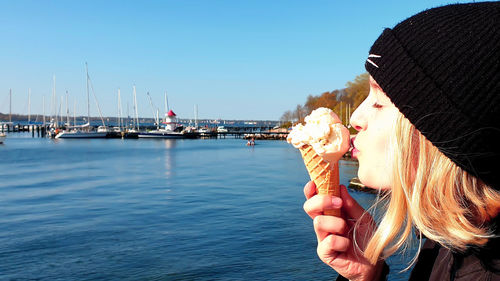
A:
{"x": 169, "y": 127}
{"x": 149, "y": 130}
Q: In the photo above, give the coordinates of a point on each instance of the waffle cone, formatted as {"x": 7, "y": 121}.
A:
{"x": 324, "y": 175}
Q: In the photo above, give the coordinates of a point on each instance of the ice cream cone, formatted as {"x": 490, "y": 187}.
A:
{"x": 324, "y": 175}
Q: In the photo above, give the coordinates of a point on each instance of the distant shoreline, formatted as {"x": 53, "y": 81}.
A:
{"x": 4, "y": 117}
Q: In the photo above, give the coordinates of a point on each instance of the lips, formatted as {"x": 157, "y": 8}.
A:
{"x": 354, "y": 150}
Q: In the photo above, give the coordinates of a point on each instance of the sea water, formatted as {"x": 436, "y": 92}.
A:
{"x": 155, "y": 209}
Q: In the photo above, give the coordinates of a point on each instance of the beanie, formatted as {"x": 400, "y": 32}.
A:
{"x": 441, "y": 68}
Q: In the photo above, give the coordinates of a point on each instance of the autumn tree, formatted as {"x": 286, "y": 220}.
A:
{"x": 311, "y": 103}
{"x": 343, "y": 102}
{"x": 287, "y": 116}
{"x": 358, "y": 89}
{"x": 300, "y": 113}
{"x": 287, "y": 119}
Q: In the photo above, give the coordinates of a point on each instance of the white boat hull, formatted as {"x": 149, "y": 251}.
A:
{"x": 161, "y": 135}
{"x": 80, "y": 135}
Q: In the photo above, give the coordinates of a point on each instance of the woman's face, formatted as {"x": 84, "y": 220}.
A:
{"x": 374, "y": 120}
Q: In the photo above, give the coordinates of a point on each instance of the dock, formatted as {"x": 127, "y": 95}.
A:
{"x": 256, "y": 132}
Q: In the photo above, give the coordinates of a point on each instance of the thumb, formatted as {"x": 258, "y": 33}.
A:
{"x": 350, "y": 206}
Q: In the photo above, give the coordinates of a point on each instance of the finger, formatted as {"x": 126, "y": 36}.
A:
{"x": 350, "y": 206}
{"x": 317, "y": 204}
{"x": 333, "y": 244}
{"x": 310, "y": 189}
{"x": 326, "y": 225}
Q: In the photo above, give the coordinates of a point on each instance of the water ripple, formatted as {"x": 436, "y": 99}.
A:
{"x": 156, "y": 210}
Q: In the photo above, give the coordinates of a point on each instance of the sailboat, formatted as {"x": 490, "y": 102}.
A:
{"x": 85, "y": 130}
{"x": 135, "y": 122}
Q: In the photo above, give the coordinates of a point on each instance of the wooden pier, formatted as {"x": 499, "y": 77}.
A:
{"x": 10, "y": 127}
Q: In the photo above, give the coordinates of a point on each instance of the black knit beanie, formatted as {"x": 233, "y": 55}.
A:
{"x": 441, "y": 68}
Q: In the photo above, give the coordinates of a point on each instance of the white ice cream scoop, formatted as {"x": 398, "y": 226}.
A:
{"x": 324, "y": 132}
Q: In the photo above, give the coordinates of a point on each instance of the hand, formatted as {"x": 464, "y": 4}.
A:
{"x": 336, "y": 245}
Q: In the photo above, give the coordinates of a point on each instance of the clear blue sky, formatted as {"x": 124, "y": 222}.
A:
{"x": 234, "y": 59}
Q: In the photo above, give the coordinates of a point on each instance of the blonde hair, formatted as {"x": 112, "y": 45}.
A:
{"x": 430, "y": 192}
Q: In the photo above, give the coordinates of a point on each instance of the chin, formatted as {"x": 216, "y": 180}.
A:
{"x": 372, "y": 181}
{"x": 364, "y": 178}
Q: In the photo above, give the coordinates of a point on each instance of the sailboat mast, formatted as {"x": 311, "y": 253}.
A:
{"x": 88, "y": 95}
{"x": 119, "y": 110}
{"x": 128, "y": 115}
{"x": 60, "y": 113}
{"x": 67, "y": 108}
{"x": 74, "y": 113}
{"x": 135, "y": 108}
{"x": 43, "y": 108}
{"x": 152, "y": 107}
{"x": 196, "y": 116}
{"x": 29, "y": 106}
{"x": 10, "y": 105}
{"x": 55, "y": 103}
{"x": 157, "y": 119}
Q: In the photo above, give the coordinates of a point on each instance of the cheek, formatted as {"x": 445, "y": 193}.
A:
{"x": 375, "y": 165}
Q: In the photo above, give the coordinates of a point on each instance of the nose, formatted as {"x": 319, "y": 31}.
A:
{"x": 357, "y": 121}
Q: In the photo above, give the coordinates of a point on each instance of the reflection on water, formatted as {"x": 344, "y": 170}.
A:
{"x": 169, "y": 145}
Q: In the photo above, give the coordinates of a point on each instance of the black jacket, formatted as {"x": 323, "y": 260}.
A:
{"x": 436, "y": 263}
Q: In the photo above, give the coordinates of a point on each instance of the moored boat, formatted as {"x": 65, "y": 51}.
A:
{"x": 85, "y": 130}
{"x": 171, "y": 129}
{"x": 162, "y": 133}
{"x": 78, "y": 134}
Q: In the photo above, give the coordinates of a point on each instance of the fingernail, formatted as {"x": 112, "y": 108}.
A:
{"x": 336, "y": 202}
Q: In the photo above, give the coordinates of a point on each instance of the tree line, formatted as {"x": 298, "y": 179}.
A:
{"x": 341, "y": 101}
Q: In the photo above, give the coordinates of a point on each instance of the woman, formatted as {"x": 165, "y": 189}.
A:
{"x": 429, "y": 138}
